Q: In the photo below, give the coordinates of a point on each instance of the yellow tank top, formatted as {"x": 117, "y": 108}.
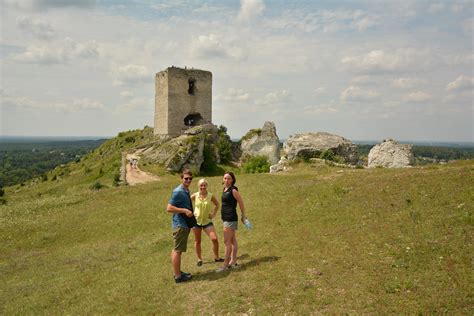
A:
{"x": 202, "y": 209}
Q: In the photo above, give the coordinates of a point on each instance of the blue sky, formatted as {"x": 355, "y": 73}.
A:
{"x": 360, "y": 69}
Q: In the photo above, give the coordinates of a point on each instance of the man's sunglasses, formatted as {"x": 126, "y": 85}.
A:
{"x": 188, "y": 178}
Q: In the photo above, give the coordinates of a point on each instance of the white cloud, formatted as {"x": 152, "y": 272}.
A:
{"x": 319, "y": 109}
{"x": 57, "y": 53}
{"x": 135, "y": 104}
{"x": 274, "y": 98}
{"x": 327, "y": 21}
{"x": 357, "y": 94}
{"x": 406, "y": 83}
{"x": 364, "y": 23}
{"x": 319, "y": 91}
{"x": 250, "y": 9}
{"x": 380, "y": 61}
{"x": 364, "y": 80}
{"x": 75, "y": 105}
{"x": 417, "y": 96}
{"x": 126, "y": 94}
{"x": 233, "y": 95}
{"x": 214, "y": 46}
{"x": 86, "y": 104}
{"x": 460, "y": 84}
{"x": 37, "y": 27}
{"x": 468, "y": 25}
{"x": 130, "y": 74}
{"x": 436, "y": 7}
{"x": 41, "y": 5}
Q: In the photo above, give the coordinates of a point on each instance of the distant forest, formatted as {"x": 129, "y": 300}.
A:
{"x": 21, "y": 161}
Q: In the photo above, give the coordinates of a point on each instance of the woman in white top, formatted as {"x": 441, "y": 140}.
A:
{"x": 203, "y": 201}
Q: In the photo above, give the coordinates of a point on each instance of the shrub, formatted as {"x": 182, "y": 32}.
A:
{"x": 256, "y": 164}
{"x": 328, "y": 154}
{"x": 2, "y": 192}
{"x": 117, "y": 179}
{"x": 97, "y": 186}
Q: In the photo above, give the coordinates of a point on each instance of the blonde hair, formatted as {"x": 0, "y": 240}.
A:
{"x": 202, "y": 181}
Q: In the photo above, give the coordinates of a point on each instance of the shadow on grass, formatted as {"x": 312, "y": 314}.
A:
{"x": 211, "y": 275}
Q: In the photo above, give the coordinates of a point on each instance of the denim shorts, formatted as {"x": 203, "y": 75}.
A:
{"x": 233, "y": 225}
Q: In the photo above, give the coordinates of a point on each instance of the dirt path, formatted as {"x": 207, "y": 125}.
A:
{"x": 137, "y": 176}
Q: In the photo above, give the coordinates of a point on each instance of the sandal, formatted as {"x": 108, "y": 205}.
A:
{"x": 219, "y": 260}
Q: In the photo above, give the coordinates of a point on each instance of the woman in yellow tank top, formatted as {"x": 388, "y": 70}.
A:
{"x": 204, "y": 214}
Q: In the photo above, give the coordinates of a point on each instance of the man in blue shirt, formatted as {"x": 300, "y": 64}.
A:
{"x": 181, "y": 207}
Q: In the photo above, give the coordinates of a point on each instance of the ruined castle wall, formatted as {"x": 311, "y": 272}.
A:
{"x": 161, "y": 103}
{"x": 179, "y": 94}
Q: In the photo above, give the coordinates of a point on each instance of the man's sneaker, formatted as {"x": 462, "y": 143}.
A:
{"x": 188, "y": 274}
{"x": 219, "y": 260}
{"x": 183, "y": 278}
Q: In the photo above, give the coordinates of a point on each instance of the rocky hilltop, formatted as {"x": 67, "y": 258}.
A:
{"x": 262, "y": 142}
{"x": 311, "y": 145}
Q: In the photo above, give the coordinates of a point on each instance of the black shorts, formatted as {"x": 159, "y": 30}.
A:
{"x": 204, "y": 226}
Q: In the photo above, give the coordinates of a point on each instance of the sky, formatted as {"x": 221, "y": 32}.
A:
{"x": 364, "y": 70}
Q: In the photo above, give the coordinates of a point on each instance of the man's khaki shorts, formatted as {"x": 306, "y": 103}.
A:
{"x": 180, "y": 236}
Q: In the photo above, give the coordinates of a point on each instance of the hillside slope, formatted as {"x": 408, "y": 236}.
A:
{"x": 325, "y": 240}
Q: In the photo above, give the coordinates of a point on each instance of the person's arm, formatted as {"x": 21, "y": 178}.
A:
{"x": 193, "y": 197}
{"x": 216, "y": 207}
{"x": 178, "y": 210}
{"x": 237, "y": 196}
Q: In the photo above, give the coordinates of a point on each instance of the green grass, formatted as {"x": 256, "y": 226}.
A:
{"x": 325, "y": 240}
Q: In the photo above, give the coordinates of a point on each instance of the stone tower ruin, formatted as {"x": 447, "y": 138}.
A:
{"x": 183, "y": 99}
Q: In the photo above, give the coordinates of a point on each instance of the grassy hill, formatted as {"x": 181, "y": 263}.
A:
{"x": 325, "y": 240}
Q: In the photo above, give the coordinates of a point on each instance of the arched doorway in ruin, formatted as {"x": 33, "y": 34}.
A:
{"x": 193, "y": 119}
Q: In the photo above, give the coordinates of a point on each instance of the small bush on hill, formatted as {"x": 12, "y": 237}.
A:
{"x": 116, "y": 179}
{"x": 97, "y": 186}
{"x": 256, "y": 164}
{"x": 328, "y": 154}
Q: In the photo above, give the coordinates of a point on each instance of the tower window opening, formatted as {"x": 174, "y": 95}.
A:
{"x": 192, "y": 86}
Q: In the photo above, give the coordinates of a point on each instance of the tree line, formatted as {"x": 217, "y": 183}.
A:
{"x": 21, "y": 161}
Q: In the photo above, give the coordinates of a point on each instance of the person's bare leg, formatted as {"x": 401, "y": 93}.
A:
{"x": 176, "y": 262}
{"x": 228, "y": 233}
{"x": 211, "y": 232}
{"x": 233, "y": 259}
{"x": 197, "y": 242}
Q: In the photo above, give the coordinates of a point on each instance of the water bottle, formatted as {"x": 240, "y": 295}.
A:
{"x": 247, "y": 224}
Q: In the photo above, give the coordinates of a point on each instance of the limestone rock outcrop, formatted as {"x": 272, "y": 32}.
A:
{"x": 311, "y": 145}
{"x": 390, "y": 154}
{"x": 185, "y": 151}
{"x": 282, "y": 165}
{"x": 262, "y": 142}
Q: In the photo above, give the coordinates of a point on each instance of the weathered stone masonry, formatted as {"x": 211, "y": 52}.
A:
{"x": 183, "y": 98}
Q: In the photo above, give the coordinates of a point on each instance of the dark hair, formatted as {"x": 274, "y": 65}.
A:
{"x": 231, "y": 174}
{"x": 186, "y": 171}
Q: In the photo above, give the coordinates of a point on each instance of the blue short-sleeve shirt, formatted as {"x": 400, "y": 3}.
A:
{"x": 180, "y": 198}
